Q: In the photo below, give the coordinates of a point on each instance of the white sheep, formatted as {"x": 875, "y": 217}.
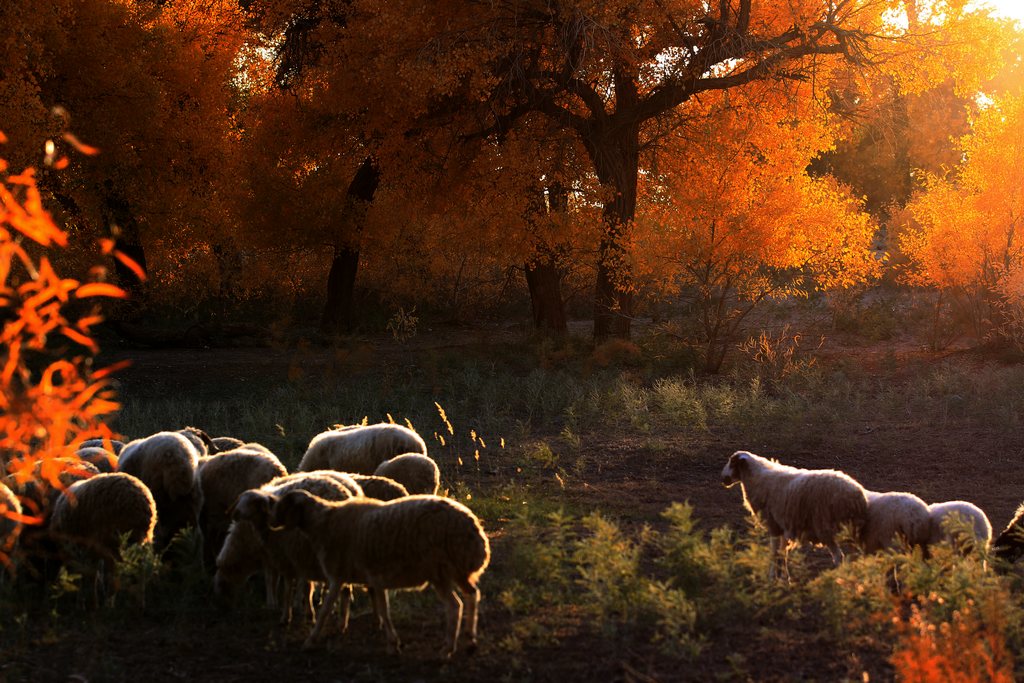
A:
{"x": 222, "y": 479}
{"x": 943, "y": 528}
{"x": 404, "y": 543}
{"x": 797, "y": 505}
{"x": 95, "y": 513}
{"x": 893, "y": 517}
{"x": 418, "y": 473}
{"x": 166, "y": 463}
{"x": 360, "y": 449}
{"x": 251, "y": 546}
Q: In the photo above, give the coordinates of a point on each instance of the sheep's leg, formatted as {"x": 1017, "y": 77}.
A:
{"x": 453, "y": 617}
{"x": 270, "y": 584}
{"x": 346, "y": 605}
{"x": 307, "y": 601}
{"x": 471, "y": 594}
{"x": 837, "y": 554}
{"x": 287, "y": 598}
{"x": 325, "y": 611}
{"x": 380, "y": 603}
{"x": 773, "y": 567}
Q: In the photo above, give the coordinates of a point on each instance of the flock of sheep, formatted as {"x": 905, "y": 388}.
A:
{"x": 813, "y": 506}
{"x": 361, "y": 509}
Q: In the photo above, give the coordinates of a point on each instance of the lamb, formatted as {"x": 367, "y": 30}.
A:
{"x": 943, "y": 529}
{"x": 895, "y": 516}
{"x": 222, "y": 479}
{"x": 166, "y": 463}
{"x": 405, "y": 543}
{"x": 95, "y": 513}
{"x": 381, "y": 488}
{"x": 251, "y": 546}
{"x": 417, "y": 472}
{"x": 10, "y": 523}
{"x": 797, "y": 505}
{"x": 360, "y": 449}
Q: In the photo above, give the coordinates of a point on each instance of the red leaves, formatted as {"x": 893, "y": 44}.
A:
{"x": 50, "y": 406}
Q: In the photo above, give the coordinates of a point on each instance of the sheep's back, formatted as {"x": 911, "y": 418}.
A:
{"x": 892, "y": 515}
{"x": 103, "y": 508}
{"x": 816, "y": 503}
{"x": 360, "y": 449}
{"x": 409, "y": 541}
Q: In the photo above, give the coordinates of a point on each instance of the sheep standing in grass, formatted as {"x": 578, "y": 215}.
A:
{"x": 405, "y": 543}
{"x": 360, "y": 449}
{"x": 95, "y": 513}
{"x": 418, "y": 473}
{"x": 942, "y": 516}
{"x": 895, "y": 517}
{"x": 166, "y": 463}
{"x": 251, "y": 546}
{"x": 797, "y": 505}
{"x": 222, "y": 479}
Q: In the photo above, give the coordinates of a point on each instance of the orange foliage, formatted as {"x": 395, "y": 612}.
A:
{"x": 970, "y": 648}
{"x": 51, "y": 398}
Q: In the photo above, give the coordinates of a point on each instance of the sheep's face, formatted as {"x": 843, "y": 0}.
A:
{"x": 733, "y": 470}
{"x": 251, "y": 506}
{"x": 290, "y": 511}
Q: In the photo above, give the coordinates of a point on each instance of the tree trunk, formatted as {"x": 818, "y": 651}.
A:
{"x": 339, "y": 315}
{"x": 544, "y": 280}
{"x": 617, "y": 159}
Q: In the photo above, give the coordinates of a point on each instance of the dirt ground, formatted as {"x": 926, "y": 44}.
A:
{"x": 631, "y": 476}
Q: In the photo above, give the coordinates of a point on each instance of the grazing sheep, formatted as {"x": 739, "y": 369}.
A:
{"x": 797, "y": 505}
{"x": 942, "y": 515}
{"x": 201, "y": 440}
{"x": 115, "y": 445}
{"x": 360, "y": 449}
{"x": 10, "y": 524}
{"x": 893, "y": 517}
{"x": 226, "y": 443}
{"x": 418, "y": 473}
{"x": 222, "y": 479}
{"x": 1009, "y": 545}
{"x": 251, "y": 546}
{"x": 380, "y": 488}
{"x": 405, "y": 543}
{"x": 166, "y": 463}
{"x": 95, "y": 513}
{"x": 105, "y": 461}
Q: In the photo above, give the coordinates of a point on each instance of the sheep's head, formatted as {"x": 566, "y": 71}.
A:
{"x": 251, "y": 506}
{"x": 739, "y": 463}
{"x": 1009, "y": 545}
{"x": 291, "y": 511}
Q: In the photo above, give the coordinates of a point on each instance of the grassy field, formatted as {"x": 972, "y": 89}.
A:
{"x": 617, "y": 554}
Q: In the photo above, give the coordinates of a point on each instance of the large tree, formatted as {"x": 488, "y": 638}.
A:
{"x": 616, "y": 75}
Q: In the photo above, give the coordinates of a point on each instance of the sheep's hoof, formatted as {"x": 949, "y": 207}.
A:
{"x": 470, "y": 647}
{"x": 447, "y": 652}
{"x": 310, "y": 643}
